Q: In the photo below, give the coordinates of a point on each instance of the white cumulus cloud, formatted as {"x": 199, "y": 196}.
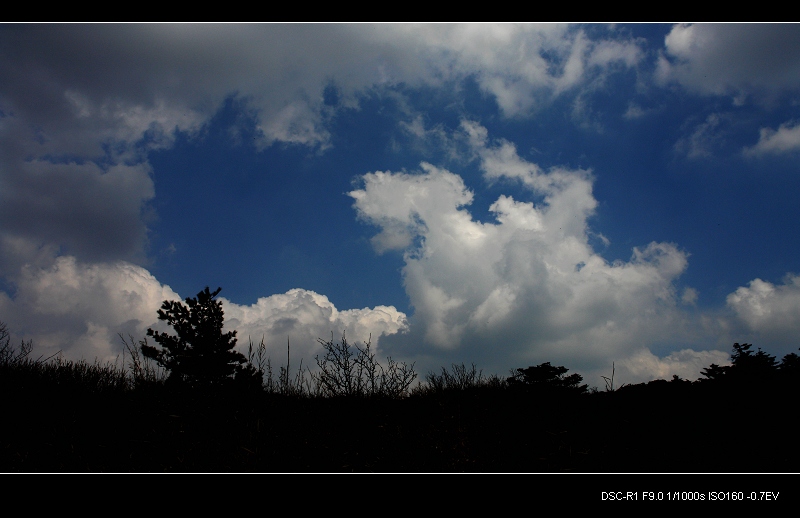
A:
{"x": 770, "y": 313}
{"x": 687, "y": 364}
{"x": 298, "y": 318}
{"x": 527, "y": 287}
{"x": 81, "y": 308}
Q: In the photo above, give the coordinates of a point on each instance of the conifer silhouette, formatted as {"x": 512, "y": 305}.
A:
{"x": 746, "y": 368}
{"x": 201, "y": 355}
{"x": 546, "y": 376}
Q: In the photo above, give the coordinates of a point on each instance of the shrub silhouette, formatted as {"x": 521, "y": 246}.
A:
{"x": 349, "y": 370}
{"x": 9, "y": 355}
{"x": 458, "y": 378}
{"x": 790, "y": 367}
{"x": 201, "y": 355}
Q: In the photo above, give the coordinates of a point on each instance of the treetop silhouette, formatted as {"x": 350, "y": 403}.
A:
{"x": 754, "y": 370}
{"x": 201, "y": 355}
{"x": 546, "y": 376}
{"x": 746, "y": 365}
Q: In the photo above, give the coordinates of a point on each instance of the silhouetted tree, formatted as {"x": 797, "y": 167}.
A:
{"x": 748, "y": 369}
{"x": 714, "y": 372}
{"x": 789, "y": 371}
{"x": 201, "y": 355}
{"x": 759, "y": 364}
{"x": 546, "y": 376}
{"x": 790, "y": 364}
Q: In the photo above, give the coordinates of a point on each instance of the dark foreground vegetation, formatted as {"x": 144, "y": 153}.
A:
{"x": 353, "y": 413}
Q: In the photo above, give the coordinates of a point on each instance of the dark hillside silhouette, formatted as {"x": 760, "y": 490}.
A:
{"x": 79, "y": 417}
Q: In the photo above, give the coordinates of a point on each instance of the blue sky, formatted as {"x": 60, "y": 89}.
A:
{"x": 498, "y": 194}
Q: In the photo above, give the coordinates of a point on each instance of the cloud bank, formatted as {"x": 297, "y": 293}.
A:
{"x": 298, "y": 318}
{"x": 82, "y": 105}
{"x": 80, "y": 309}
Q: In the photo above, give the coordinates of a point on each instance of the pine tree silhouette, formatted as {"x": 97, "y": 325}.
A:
{"x": 747, "y": 367}
{"x": 548, "y": 377}
{"x": 201, "y": 355}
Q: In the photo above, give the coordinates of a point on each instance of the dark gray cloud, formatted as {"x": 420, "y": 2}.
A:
{"x": 82, "y": 103}
{"x": 734, "y": 59}
{"x": 89, "y": 212}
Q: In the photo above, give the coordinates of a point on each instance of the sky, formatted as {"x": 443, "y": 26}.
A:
{"x": 499, "y": 195}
